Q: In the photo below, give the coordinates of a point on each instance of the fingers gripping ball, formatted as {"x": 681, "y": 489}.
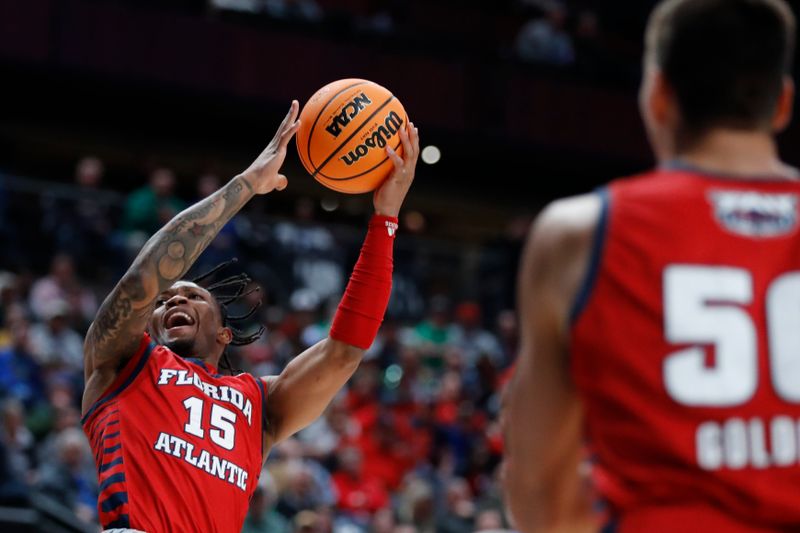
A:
{"x": 345, "y": 129}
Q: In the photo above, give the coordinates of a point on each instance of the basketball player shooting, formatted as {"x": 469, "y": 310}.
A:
{"x": 660, "y": 315}
{"x": 178, "y": 446}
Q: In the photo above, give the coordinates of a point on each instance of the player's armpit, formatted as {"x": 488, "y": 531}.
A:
{"x": 302, "y": 392}
{"x": 543, "y": 417}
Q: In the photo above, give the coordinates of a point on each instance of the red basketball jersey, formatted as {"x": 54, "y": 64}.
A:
{"x": 178, "y": 447}
{"x": 685, "y": 349}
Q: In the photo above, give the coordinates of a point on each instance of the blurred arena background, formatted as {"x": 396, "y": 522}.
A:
{"x": 117, "y": 114}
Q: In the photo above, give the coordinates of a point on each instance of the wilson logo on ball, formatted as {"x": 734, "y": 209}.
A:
{"x": 379, "y": 138}
{"x": 348, "y": 113}
{"x": 345, "y": 129}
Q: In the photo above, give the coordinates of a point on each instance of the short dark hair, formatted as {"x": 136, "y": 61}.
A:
{"x": 725, "y": 59}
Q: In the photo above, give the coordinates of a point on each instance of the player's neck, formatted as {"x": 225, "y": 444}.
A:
{"x": 736, "y": 153}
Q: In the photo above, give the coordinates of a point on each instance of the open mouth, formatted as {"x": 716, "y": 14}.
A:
{"x": 177, "y": 319}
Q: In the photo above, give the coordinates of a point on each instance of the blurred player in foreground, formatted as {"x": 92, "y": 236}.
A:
{"x": 661, "y": 315}
{"x": 179, "y": 447}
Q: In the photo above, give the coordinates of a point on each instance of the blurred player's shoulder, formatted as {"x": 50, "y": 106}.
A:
{"x": 570, "y": 218}
{"x": 561, "y": 244}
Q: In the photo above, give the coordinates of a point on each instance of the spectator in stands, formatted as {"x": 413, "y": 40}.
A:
{"x": 459, "y": 511}
{"x": 489, "y": 520}
{"x": 69, "y": 478}
{"x": 297, "y": 488}
{"x": 380, "y": 16}
{"x": 291, "y": 452}
{"x": 449, "y": 399}
{"x": 471, "y": 338}
{"x": 416, "y": 505}
{"x": 308, "y": 252}
{"x": 62, "y": 284}
{"x": 387, "y": 453}
{"x": 17, "y": 439}
{"x": 432, "y": 335}
{"x": 306, "y": 10}
{"x": 360, "y": 492}
{"x": 152, "y": 206}
{"x": 322, "y": 438}
{"x": 383, "y": 521}
{"x": 20, "y": 375}
{"x": 545, "y": 40}
{"x": 508, "y": 336}
{"x": 81, "y": 222}
{"x": 261, "y": 516}
{"x": 64, "y": 417}
{"x": 308, "y": 522}
{"x": 13, "y": 488}
{"x": 54, "y": 343}
{"x": 9, "y": 299}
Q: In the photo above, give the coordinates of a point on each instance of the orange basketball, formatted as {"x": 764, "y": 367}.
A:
{"x": 345, "y": 129}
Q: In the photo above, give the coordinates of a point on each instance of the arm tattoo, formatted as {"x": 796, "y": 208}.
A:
{"x": 166, "y": 257}
{"x": 116, "y": 309}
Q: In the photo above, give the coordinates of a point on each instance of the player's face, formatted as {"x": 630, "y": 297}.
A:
{"x": 187, "y": 320}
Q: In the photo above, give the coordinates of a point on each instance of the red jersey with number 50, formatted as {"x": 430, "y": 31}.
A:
{"x": 178, "y": 447}
{"x": 685, "y": 349}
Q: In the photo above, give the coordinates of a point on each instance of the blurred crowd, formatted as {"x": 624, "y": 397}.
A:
{"x": 565, "y": 34}
{"x": 412, "y": 444}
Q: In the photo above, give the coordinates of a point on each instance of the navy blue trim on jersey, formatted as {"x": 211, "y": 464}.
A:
{"x": 123, "y": 521}
{"x": 203, "y": 365}
{"x": 598, "y": 243}
{"x": 112, "y": 502}
{"x": 139, "y": 366}
{"x": 105, "y": 417}
{"x": 113, "y": 478}
{"x": 609, "y": 527}
{"x": 102, "y": 468}
{"x": 113, "y": 448}
{"x": 263, "y": 388}
{"x": 98, "y": 430}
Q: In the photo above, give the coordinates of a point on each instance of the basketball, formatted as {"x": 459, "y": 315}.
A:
{"x": 345, "y": 128}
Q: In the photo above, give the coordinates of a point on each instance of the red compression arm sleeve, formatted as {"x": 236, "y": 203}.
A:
{"x": 363, "y": 305}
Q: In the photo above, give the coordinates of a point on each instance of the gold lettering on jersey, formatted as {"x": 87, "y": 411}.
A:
{"x": 224, "y": 393}
{"x": 737, "y": 443}
{"x": 202, "y": 459}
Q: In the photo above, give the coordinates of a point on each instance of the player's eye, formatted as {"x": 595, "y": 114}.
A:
{"x": 160, "y": 302}
{"x": 196, "y": 297}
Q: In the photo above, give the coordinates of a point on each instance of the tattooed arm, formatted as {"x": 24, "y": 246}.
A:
{"x": 117, "y": 329}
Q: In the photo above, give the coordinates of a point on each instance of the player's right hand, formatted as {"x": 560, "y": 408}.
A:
{"x": 390, "y": 195}
{"x": 263, "y": 174}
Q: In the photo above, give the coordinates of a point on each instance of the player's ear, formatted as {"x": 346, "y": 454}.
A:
{"x": 224, "y": 335}
{"x": 783, "y": 111}
{"x": 662, "y": 104}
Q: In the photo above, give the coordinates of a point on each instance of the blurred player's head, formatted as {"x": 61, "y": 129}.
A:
{"x": 193, "y": 321}
{"x": 716, "y": 64}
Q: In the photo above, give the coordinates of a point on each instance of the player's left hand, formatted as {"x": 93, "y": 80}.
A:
{"x": 262, "y": 174}
{"x": 390, "y": 195}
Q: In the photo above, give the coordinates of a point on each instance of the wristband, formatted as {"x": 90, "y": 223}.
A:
{"x": 366, "y": 297}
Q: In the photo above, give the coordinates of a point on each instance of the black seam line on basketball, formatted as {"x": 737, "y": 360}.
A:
{"x": 317, "y": 169}
{"x": 385, "y": 159}
{"x": 331, "y": 99}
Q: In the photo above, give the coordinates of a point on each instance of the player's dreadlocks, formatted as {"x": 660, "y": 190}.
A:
{"x": 227, "y": 291}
